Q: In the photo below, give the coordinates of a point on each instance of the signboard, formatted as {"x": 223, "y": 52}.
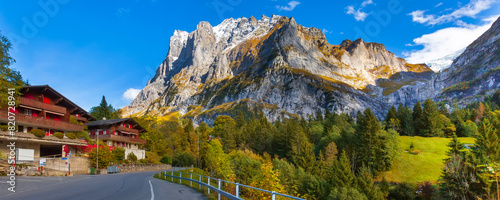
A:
{"x": 25, "y": 155}
{"x": 64, "y": 158}
{"x": 43, "y": 161}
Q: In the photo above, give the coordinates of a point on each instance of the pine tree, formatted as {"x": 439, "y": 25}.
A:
{"x": 104, "y": 110}
{"x": 418, "y": 119}
{"x": 392, "y": 120}
{"x": 365, "y": 184}
{"x": 406, "y": 120}
{"x": 10, "y": 78}
{"x": 454, "y": 146}
{"x": 341, "y": 174}
{"x": 488, "y": 142}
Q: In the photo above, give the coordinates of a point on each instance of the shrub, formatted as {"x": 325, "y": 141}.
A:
{"x": 37, "y": 132}
{"x": 143, "y": 161}
{"x": 71, "y": 135}
{"x": 152, "y": 157}
{"x": 4, "y": 127}
{"x": 183, "y": 159}
{"x": 132, "y": 157}
{"x": 59, "y": 135}
{"x": 166, "y": 159}
{"x": 104, "y": 157}
{"x": 119, "y": 154}
{"x": 402, "y": 191}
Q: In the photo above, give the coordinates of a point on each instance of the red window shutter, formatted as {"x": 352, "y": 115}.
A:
{"x": 46, "y": 100}
{"x": 34, "y": 114}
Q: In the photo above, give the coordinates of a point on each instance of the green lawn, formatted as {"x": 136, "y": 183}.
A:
{"x": 425, "y": 166}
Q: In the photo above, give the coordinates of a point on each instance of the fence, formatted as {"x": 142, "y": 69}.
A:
{"x": 218, "y": 188}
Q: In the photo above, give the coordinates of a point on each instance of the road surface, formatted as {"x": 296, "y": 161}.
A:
{"x": 121, "y": 186}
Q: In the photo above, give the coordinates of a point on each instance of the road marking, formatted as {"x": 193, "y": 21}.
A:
{"x": 152, "y": 192}
{"x": 44, "y": 186}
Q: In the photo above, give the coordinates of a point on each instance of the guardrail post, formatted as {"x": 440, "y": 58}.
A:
{"x": 237, "y": 193}
{"x": 199, "y": 185}
{"x": 191, "y": 177}
{"x": 180, "y": 175}
{"x": 273, "y": 195}
{"x": 208, "y": 185}
{"x": 219, "y": 191}
{"x": 172, "y": 176}
{"x": 165, "y": 175}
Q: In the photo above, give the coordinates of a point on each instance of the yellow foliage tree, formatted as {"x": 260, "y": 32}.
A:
{"x": 268, "y": 179}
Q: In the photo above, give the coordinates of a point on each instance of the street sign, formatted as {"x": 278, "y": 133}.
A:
{"x": 64, "y": 158}
{"x": 43, "y": 161}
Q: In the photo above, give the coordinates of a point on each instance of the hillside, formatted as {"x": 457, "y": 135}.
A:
{"x": 424, "y": 166}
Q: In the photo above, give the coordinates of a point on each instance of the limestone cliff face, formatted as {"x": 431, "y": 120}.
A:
{"x": 282, "y": 68}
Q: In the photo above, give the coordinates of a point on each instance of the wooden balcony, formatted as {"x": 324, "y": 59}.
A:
{"x": 120, "y": 138}
{"x": 130, "y": 130}
{"x": 83, "y": 119}
{"x": 41, "y": 105}
{"x": 39, "y": 122}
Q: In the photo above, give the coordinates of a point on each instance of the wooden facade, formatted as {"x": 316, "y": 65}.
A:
{"x": 44, "y": 108}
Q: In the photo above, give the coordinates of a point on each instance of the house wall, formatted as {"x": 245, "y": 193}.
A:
{"x": 141, "y": 154}
{"x": 23, "y": 145}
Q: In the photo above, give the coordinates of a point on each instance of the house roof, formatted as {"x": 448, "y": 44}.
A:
{"x": 66, "y": 101}
{"x": 110, "y": 122}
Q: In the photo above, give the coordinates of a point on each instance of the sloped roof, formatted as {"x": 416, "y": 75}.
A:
{"x": 110, "y": 122}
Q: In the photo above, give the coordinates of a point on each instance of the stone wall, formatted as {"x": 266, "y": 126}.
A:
{"x": 143, "y": 167}
{"x": 79, "y": 165}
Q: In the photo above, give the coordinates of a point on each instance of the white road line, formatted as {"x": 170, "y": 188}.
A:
{"x": 152, "y": 192}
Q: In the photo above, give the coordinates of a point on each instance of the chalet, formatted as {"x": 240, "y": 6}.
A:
{"x": 43, "y": 108}
{"x": 119, "y": 133}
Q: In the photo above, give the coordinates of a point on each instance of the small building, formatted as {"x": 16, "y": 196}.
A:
{"x": 42, "y": 107}
{"x": 119, "y": 133}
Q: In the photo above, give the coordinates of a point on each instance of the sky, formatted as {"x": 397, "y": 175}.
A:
{"x": 87, "y": 49}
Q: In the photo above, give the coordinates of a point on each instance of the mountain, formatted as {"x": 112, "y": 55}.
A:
{"x": 284, "y": 69}
{"x": 444, "y": 62}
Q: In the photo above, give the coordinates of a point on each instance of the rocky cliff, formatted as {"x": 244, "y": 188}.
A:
{"x": 285, "y": 69}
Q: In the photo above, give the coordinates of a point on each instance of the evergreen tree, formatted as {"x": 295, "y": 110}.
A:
{"x": 104, "y": 110}
{"x": 341, "y": 174}
{"x": 406, "y": 120}
{"x": 392, "y": 120}
{"x": 454, "y": 146}
{"x": 488, "y": 142}
{"x": 366, "y": 186}
{"x": 418, "y": 119}
{"x": 430, "y": 121}
{"x": 9, "y": 78}
{"x": 225, "y": 127}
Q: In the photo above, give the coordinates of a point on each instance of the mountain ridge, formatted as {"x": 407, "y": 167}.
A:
{"x": 278, "y": 64}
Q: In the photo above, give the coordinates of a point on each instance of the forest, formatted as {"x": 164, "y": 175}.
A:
{"x": 337, "y": 156}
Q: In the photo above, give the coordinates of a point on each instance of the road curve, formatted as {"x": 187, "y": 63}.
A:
{"x": 122, "y": 186}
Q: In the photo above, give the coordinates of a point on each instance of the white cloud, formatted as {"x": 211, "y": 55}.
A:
{"x": 131, "y": 93}
{"x": 290, "y": 7}
{"x": 366, "y": 2}
{"x": 439, "y": 4}
{"x": 325, "y": 31}
{"x": 445, "y": 41}
{"x": 358, "y": 14}
{"x": 469, "y": 10}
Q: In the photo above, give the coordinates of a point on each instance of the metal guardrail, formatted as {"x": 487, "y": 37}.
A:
{"x": 218, "y": 189}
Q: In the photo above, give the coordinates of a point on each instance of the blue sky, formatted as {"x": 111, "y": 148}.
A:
{"x": 87, "y": 49}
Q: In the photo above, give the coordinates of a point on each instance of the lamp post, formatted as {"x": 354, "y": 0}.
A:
{"x": 97, "y": 137}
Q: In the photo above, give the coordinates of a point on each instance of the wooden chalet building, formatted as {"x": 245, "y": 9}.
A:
{"x": 119, "y": 133}
{"x": 44, "y": 108}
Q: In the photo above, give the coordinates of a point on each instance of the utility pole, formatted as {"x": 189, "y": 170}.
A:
{"x": 97, "y": 134}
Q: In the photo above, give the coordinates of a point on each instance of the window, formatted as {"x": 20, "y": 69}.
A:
{"x": 28, "y": 112}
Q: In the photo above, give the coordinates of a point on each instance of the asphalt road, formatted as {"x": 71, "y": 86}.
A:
{"x": 121, "y": 186}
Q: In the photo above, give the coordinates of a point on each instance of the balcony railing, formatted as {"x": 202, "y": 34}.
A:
{"x": 131, "y": 130}
{"x": 120, "y": 138}
{"x": 83, "y": 119}
{"x": 41, "y": 105}
{"x": 22, "y": 119}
